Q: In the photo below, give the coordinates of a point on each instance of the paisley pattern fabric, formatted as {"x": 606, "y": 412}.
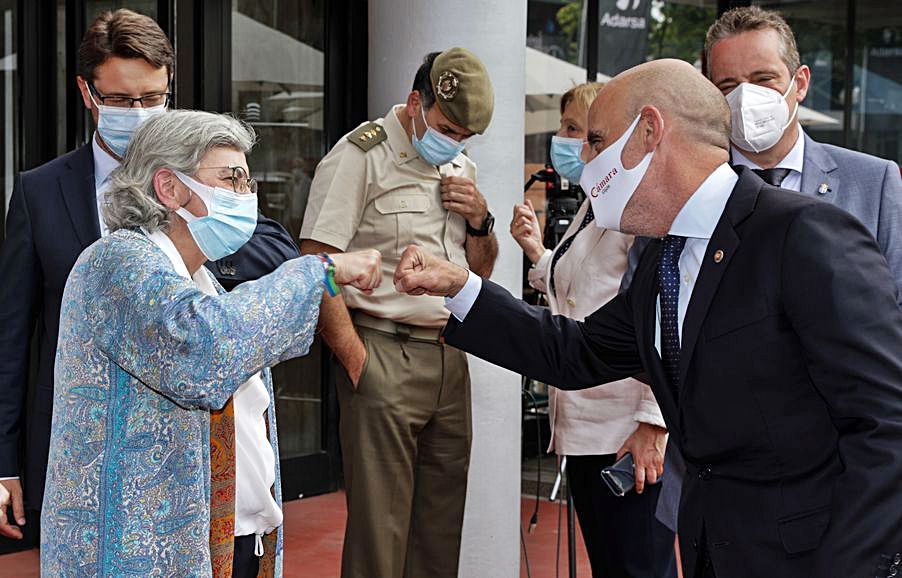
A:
{"x": 143, "y": 357}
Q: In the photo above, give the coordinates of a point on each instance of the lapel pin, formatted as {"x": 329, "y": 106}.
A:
{"x": 718, "y": 255}
{"x": 823, "y": 189}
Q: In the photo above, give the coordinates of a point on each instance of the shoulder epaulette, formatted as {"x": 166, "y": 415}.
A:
{"x": 368, "y": 136}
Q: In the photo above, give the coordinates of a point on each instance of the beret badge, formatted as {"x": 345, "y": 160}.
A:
{"x": 447, "y": 86}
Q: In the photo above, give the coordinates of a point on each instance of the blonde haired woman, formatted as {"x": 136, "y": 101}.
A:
{"x": 594, "y": 427}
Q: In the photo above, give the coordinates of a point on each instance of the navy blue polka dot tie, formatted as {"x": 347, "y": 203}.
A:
{"x": 669, "y": 275}
{"x": 565, "y": 246}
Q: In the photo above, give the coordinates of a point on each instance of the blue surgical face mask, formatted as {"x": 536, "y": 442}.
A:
{"x": 565, "y": 157}
{"x": 230, "y": 221}
{"x": 116, "y": 125}
{"x": 435, "y": 148}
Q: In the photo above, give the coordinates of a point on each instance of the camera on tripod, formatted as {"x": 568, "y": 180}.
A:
{"x": 562, "y": 201}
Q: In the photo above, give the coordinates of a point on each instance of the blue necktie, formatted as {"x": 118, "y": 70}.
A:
{"x": 669, "y": 275}
{"x": 565, "y": 246}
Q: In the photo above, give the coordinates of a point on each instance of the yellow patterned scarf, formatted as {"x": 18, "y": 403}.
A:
{"x": 222, "y": 490}
{"x": 222, "y": 498}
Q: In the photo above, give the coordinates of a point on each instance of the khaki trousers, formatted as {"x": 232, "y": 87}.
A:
{"x": 405, "y": 436}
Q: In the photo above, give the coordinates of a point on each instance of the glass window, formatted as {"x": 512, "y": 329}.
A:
{"x": 876, "y": 123}
{"x": 554, "y": 64}
{"x": 553, "y": 27}
{"x": 278, "y": 87}
{"x": 62, "y": 80}
{"x": 677, "y": 30}
{"x": 93, "y": 8}
{"x": 8, "y": 100}
{"x": 870, "y": 91}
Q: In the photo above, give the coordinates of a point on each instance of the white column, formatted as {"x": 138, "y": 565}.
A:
{"x": 401, "y": 33}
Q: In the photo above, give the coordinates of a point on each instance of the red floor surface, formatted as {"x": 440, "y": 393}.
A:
{"x": 314, "y": 530}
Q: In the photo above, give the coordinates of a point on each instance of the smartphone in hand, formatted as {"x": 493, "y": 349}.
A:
{"x": 620, "y": 477}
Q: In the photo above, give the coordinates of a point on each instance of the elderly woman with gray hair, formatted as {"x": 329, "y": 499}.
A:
{"x": 163, "y": 456}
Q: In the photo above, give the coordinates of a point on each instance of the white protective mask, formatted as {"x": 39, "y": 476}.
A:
{"x": 609, "y": 185}
{"x": 759, "y": 115}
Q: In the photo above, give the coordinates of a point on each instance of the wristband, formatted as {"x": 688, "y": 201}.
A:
{"x": 329, "y": 279}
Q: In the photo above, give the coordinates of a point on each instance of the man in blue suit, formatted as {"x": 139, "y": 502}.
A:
{"x": 752, "y": 58}
{"x": 125, "y": 70}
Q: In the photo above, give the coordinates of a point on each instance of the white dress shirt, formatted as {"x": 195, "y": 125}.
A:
{"x": 104, "y": 164}
{"x": 696, "y": 221}
{"x": 256, "y": 510}
{"x": 794, "y": 161}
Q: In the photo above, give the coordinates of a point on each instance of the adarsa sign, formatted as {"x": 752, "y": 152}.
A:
{"x": 603, "y": 183}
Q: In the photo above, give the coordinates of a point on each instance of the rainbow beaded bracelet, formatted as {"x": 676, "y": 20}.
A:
{"x": 329, "y": 280}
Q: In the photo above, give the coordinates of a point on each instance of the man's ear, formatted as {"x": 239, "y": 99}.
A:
{"x": 85, "y": 92}
{"x": 803, "y": 82}
{"x": 165, "y": 185}
{"x": 651, "y": 123}
{"x": 413, "y": 99}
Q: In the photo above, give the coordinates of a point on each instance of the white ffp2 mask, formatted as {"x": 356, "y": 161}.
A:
{"x": 759, "y": 116}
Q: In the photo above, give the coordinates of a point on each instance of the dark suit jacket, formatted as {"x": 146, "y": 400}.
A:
{"x": 52, "y": 218}
{"x": 866, "y": 186}
{"x": 790, "y": 416}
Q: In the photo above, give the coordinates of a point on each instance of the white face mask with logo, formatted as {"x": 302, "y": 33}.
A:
{"x": 759, "y": 115}
{"x": 609, "y": 185}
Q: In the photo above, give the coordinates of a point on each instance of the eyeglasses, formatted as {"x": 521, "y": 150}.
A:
{"x": 118, "y": 101}
{"x": 241, "y": 182}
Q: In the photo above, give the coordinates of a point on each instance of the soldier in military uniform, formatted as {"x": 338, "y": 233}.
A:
{"x": 405, "y": 397}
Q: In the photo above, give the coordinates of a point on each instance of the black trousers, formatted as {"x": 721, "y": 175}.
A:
{"x": 245, "y": 564}
{"x": 704, "y": 568}
{"x": 622, "y": 535}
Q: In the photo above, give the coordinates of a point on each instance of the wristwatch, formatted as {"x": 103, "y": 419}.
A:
{"x": 488, "y": 224}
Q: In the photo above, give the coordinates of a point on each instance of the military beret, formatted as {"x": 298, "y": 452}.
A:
{"x": 462, "y": 89}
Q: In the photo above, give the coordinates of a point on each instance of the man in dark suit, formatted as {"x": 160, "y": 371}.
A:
{"x": 750, "y": 52}
{"x": 54, "y": 215}
{"x": 766, "y": 321}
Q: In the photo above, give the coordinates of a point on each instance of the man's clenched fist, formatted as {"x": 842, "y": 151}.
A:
{"x": 420, "y": 273}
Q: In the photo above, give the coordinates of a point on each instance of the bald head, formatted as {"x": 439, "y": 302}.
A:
{"x": 681, "y": 119}
{"x": 688, "y": 101}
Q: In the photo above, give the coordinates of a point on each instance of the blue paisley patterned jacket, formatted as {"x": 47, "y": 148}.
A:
{"x": 143, "y": 355}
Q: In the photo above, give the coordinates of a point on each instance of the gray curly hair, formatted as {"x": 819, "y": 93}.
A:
{"x": 176, "y": 140}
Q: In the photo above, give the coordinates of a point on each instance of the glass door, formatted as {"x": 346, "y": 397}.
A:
{"x": 278, "y": 86}
{"x": 10, "y": 103}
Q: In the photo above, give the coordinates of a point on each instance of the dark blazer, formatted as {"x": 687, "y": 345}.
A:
{"x": 52, "y": 218}
{"x": 790, "y": 416}
{"x": 869, "y": 188}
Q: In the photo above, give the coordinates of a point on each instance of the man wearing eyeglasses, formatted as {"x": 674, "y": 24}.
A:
{"x": 125, "y": 67}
